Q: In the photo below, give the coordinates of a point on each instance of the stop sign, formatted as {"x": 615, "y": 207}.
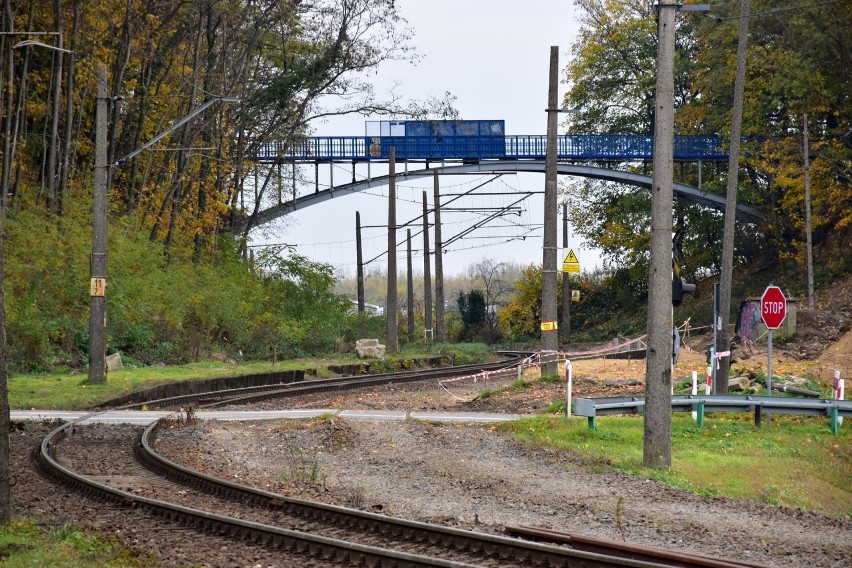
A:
{"x": 773, "y": 307}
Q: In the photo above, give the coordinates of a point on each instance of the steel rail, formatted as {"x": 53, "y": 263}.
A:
{"x": 352, "y": 383}
{"x": 626, "y": 549}
{"x": 327, "y": 548}
{"x": 464, "y": 541}
{"x": 214, "y": 399}
{"x": 274, "y": 537}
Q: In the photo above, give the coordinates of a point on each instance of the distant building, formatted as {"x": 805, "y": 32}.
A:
{"x": 371, "y": 309}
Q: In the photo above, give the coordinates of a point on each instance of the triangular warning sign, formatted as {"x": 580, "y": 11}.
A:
{"x": 571, "y": 257}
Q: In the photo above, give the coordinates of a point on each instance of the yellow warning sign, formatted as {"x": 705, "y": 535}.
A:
{"x": 570, "y": 264}
{"x": 575, "y": 295}
{"x": 549, "y": 326}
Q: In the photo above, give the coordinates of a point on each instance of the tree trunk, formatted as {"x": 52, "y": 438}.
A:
{"x": 69, "y": 111}
{"x": 19, "y": 113}
{"x": 53, "y": 150}
{"x": 206, "y": 137}
{"x": 121, "y": 61}
{"x": 724, "y": 336}
{"x": 181, "y": 181}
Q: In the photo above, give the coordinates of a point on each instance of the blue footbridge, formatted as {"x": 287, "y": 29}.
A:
{"x": 476, "y": 147}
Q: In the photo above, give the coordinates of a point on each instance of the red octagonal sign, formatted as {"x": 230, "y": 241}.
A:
{"x": 773, "y": 307}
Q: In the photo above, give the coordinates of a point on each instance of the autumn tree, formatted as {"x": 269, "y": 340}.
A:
{"x": 612, "y": 79}
{"x": 289, "y": 63}
{"x": 472, "y": 308}
{"x": 521, "y": 315}
{"x": 797, "y": 64}
{"x": 495, "y": 279}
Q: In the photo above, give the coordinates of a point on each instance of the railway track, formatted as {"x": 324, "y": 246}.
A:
{"x": 625, "y": 549}
{"x": 130, "y": 473}
{"x": 122, "y": 471}
{"x": 250, "y": 395}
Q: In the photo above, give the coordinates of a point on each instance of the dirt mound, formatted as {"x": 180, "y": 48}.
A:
{"x": 837, "y": 357}
{"x": 816, "y": 330}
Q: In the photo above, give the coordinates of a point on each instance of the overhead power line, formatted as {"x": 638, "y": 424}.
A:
{"x": 777, "y": 10}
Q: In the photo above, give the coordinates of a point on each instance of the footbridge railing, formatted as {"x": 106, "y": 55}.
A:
{"x": 510, "y": 147}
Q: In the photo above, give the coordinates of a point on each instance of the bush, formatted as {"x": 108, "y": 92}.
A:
{"x": 163, "y": 305}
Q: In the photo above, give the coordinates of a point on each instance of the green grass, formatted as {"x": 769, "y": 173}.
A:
{"x": 66, "y": 390}
{"x": 487, "y": 393}
{"x": 69, "y": 391}
{"x": 24, "y": 543}
{"x": 794, "y": 461}
{"x": 551, "y": 378}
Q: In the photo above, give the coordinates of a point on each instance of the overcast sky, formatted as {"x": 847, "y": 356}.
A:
{"x": 493, "y": 55}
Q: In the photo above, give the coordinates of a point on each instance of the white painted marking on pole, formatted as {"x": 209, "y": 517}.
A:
{"x": 694, "y": 391}
{"x": 569, "y": 368}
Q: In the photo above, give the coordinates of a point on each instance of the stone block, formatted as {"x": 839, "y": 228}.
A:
{"x": 369, "y": 348}
{"x": 113, "y": 362}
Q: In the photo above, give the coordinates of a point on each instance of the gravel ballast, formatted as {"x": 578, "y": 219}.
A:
{"x": 473, "y": 476}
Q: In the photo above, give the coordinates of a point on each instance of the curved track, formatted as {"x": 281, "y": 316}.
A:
{"x": 118, "y": 466}
{"x": 337, "y": 534}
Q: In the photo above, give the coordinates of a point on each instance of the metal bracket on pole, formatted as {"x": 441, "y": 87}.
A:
{"x": 684, "y": 7}
{"x": 177, "y": 125}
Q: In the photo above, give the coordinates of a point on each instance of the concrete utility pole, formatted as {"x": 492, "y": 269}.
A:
{"x": 393, "y": 330}
{"x": 566, "y": 282}
{"x": 359, "y": 256}
{"x": 726, "y": 279}
{"x": 658, "y": 373}
{"x": 97, "y": 288}
{"x": 427, "y": 275}
{"x": 410, "y": 292}
{"x": 807, "y": 168}
{"x": 549, "y": 326}
{"x": 440, "y": 328}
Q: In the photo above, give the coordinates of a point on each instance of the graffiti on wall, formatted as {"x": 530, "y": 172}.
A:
{"x": 748, "y": 319}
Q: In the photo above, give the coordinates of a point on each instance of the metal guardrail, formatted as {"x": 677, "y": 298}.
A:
{"x": 759, "y": 405}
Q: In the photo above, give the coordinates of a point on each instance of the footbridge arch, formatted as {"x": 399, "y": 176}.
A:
{"x": 744, "y": 212}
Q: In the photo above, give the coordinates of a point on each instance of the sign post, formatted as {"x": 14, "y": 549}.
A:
{"x": 773, "y": 310}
